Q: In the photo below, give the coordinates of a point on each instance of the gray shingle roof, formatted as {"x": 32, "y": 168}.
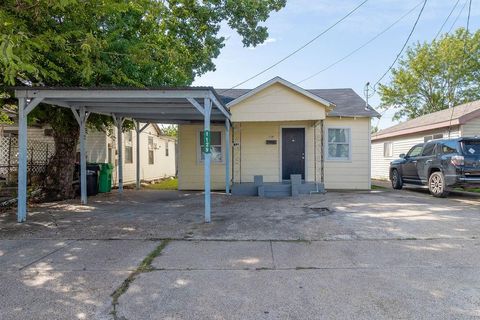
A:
{"x": 347, "y": 102}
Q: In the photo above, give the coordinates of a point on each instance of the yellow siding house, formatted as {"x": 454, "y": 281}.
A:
{"x": 278, "y": 130}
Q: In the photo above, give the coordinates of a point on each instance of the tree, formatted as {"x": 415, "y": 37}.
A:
{"x": 113, "y": 43}
{"x": 170, "y": 130}
{"x": 434, "y": 76}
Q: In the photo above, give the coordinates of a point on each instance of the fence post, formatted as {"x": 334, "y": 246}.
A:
{"x": 31, "y": 165}
{"x": 9, "y": 159}
{"x": 46, "y": 161}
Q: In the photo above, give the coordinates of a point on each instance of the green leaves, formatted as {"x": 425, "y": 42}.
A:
{"x": 433, "y": 76}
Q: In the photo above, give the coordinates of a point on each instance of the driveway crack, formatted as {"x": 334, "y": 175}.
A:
{"x": 143, "y": 267}
{"x": 273, "y": 258}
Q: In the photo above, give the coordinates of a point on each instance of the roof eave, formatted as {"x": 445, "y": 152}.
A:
{"x": 439, "y": 125}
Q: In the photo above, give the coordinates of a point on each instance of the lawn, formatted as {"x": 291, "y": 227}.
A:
{"x": 167, "y": 184}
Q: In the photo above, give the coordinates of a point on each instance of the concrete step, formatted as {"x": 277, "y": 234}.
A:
{"x": 277, "y": 190}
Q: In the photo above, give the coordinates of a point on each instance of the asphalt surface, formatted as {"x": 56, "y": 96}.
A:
{"x": 351, "y": 255}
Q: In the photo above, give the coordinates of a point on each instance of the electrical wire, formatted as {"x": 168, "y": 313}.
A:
{"x": 403, "y": 47}
{"x": 300, "y": 48}
{"x": 363, "y": 45}
{"x": 446, "y": 20}
{"x": 458, "y": 16}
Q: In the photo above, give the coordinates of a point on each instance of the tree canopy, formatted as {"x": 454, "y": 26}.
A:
{"x": 434, "y": 76}
{"x": 114, "y": 43}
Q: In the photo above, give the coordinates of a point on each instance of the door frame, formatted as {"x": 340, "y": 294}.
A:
{"x": 280, "y": 150}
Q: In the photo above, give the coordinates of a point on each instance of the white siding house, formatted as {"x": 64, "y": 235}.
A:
{"x": 157, "y": 152}
{"x": 388, "y": 144}
{"x": 280, "y": 129}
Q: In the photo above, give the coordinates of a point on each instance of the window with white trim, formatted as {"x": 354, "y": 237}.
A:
{"x": 338, "y": 144}
{"x": 216, "y": 146}
{"x": 128, "y": 147}
{"x": 151, "y": 151}
{"x": 388, "y": 149}
{"x": 433, "y": 137}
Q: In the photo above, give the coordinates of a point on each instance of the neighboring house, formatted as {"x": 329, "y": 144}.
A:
{"x": 280, "y": 129}
{"x": 157, "y": 154}
{"x": 388, "y": 144}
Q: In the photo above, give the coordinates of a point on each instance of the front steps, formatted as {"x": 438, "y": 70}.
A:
{"x": 292, "y": 187}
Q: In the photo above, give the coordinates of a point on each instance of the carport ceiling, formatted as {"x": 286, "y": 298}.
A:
{"x": 172, "y": 105}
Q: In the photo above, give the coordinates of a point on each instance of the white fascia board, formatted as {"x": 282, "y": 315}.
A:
{"x": 286, "y": 83}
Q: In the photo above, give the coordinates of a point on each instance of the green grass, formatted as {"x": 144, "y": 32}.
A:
{"x": 468, "y": 189}
{"x": 375, "y": 187}
{"x": 167, "y": 184}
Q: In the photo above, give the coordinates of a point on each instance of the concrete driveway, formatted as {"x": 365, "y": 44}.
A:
{"x": 148, "y": 255}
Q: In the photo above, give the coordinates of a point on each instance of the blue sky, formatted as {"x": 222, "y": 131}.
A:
{"x": 301, "y": 20}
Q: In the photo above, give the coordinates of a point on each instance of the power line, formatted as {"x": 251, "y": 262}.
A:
{"x": 446, "y": 20}
{"x": 362, "y": 46}
{"x": 301, "y": 47}
{"x": 403, "y": 47}
{"x": 458, "y": 16}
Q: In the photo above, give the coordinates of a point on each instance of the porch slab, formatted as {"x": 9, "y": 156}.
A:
{"x": 239, "y": 255}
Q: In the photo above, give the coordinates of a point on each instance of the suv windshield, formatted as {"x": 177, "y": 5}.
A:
{"x": 415, "y": 151}
{"x": 471, "y": 147}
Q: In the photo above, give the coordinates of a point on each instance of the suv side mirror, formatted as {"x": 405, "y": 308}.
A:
{"x": 402, "y": 155}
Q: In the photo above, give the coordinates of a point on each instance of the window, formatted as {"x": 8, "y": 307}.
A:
{"x": 415, "y": 151}
{"x": 471, "y": 147}
{"x": 110, "y": 153}
{"x": 388, "y": 149}
{"x": 216, "y": 146}
{"x": 128, "y": 147}
{"x": 338, "y": 144}
{"x": 448, "y": 147}
{"x": 151, "y": 150}
{"x": 429, "y": 149}
{"x": 433, "y": 137}
{"x": 166, "y": 148}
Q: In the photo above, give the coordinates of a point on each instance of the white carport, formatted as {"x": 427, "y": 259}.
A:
{"x": 149, "y": 105}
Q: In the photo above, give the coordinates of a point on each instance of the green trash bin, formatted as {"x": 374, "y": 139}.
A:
{"x": 105, "y": 177}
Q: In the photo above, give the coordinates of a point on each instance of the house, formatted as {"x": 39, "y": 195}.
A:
{"x": 280, "y": 129}
{"x": 157, "y": 154}
{"x": 388, "y": 144}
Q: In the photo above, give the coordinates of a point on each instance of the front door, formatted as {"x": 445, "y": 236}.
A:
{"x": 293, "y": 152}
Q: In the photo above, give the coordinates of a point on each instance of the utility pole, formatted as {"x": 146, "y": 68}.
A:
{"x": 365, "y": 91}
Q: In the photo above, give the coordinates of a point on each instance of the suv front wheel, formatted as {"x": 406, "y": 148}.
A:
{"x": 436, "y": 185}
{"x": 396, "y": 180}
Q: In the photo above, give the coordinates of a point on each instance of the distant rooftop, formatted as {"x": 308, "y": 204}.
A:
{"x": 440, "y": 119}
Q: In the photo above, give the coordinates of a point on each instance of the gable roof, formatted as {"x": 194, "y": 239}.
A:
{"x": 345, "y": 101}
{"x": 286, "y": 83}
{"x": 440, "y": 119}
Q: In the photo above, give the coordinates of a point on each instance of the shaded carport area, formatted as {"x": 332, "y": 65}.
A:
{"x": 175, "y": 105}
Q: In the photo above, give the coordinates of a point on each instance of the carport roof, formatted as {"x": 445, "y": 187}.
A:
{"x": 152, "y": 104}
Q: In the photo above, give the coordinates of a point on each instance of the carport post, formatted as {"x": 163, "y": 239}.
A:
{"x": 227, "y": 156}
{"x": 208, "y": 157}
{"x": 82, "y": 117}
{"x": 138, "y": 131}
{"x": 119, "y": 122}
{"x": 22, "y": 161}
{"x": 24, "y": 108}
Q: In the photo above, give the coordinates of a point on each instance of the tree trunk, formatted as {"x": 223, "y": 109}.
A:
{"x": 58, "y": 184}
